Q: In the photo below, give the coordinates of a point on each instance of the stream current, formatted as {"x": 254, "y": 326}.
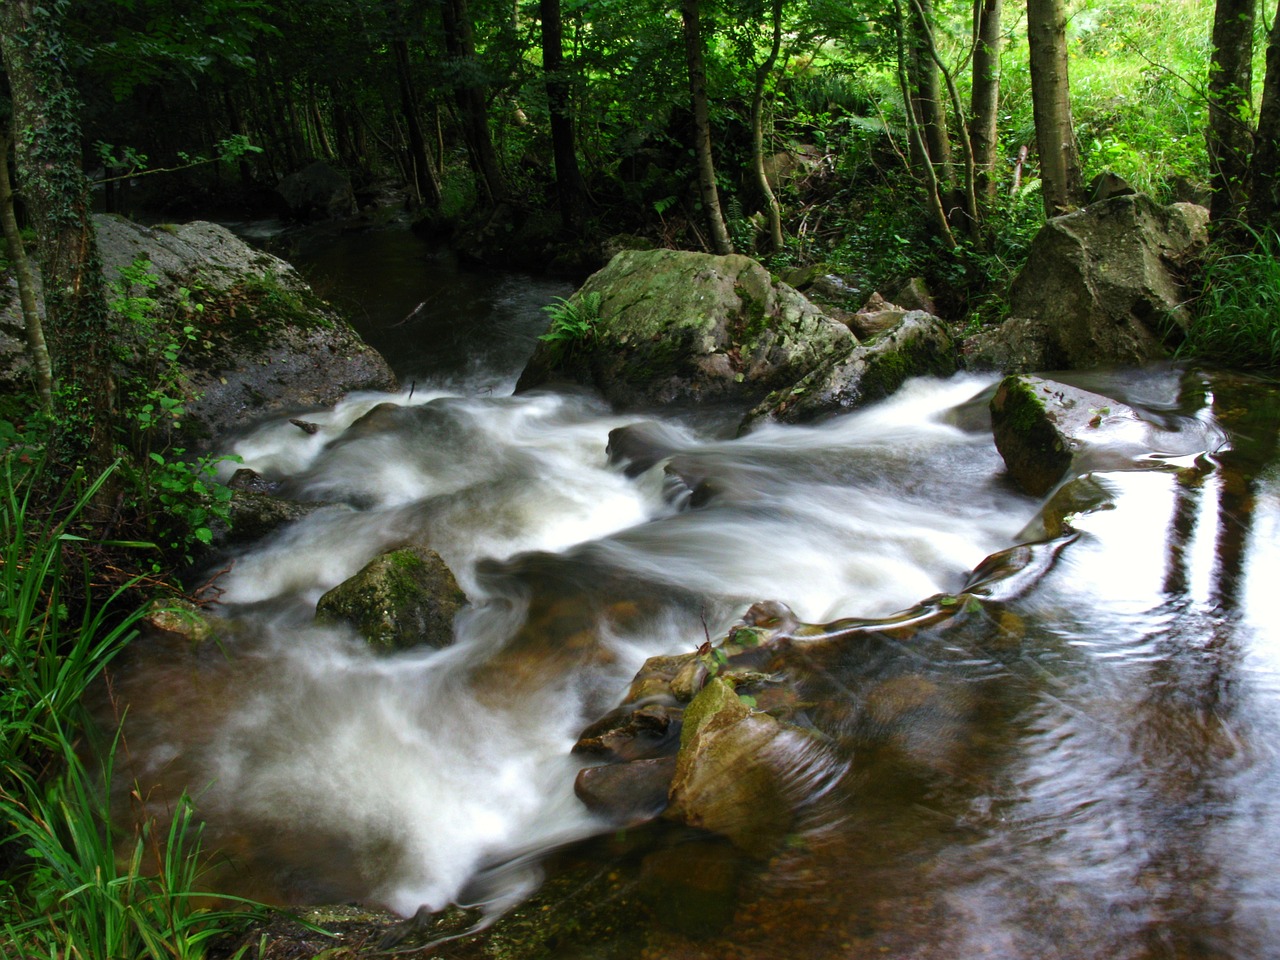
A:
{"x": 1084, "y": 766}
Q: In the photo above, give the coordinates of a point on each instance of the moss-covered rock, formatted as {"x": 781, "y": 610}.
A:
{"x": 679, "y": 327}
{"x": 401, "y": 599}
{"x": 919, "y": 345}
{"x": 1100, "y": 286}
{"x": 259, "y": 340}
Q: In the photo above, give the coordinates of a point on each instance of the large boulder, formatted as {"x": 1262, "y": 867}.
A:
{"x": 259, "y": 340}
{"x": 918, "y": 345}
{"x": 318, "y": 192}
{"x": 402, "y": 599}
{"x": 683, "y": 327}
{"x": 1100, "y": 286}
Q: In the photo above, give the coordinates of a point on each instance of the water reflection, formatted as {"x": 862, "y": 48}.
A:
{"x": 1077, "y": 764}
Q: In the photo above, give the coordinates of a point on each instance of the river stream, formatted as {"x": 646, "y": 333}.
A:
{"x": 1083, "y": 767}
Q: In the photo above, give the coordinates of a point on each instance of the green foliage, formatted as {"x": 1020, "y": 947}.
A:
{"x": 52, "y": 646}
{"x": 179, "y": 499}
{"x": 68, "y": 894}
{"x": 573, "y": 322}
{"x": 1238, "y": 315}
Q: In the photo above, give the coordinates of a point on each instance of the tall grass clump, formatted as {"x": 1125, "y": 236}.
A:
{"x": 73, "y": 885}
{"x": 1237, "y": 319}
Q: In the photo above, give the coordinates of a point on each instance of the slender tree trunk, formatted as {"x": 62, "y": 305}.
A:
{"x": 469, "y": 93}
{"x": 772, "y": 209}
{"x": 984, "y": 104}
{"x": 1229, "y": 138}
{"x": 421, "y": 168}
{"x": 569, "y": 188}
{"x": 969, "y": 198}
{"x": 915, "y": 136}
{"x": 927, "y": 93}
{"x": 1060, "y": 176}
{"x": 1264, "y": 190}
{"x": 78, "y": 324}
{"x": 37, "y": 350}
{"x": 691, "y": 18}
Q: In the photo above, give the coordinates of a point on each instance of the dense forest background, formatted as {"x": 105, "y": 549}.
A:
{"x": 889, "y": 139}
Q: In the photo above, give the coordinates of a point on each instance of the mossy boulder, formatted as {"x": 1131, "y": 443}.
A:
{"x": 402, "y": 599}
{"x": 920, "y": 344}
{"x": 259, "y": 340}
{"x": 681, "y": 327}
{"x": 1100, "y": 286}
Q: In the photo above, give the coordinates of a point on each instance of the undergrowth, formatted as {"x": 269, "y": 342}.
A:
{"x": 1237, "y": 317}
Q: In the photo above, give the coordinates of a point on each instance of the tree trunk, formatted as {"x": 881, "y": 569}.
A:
{"x": 1229, "y": 139}
{"x": 1264, "y": 188}
{"x": 1060, "y": 177}
{"x": 984, "y": 103}
{"x": 915, "y": 135}
{"x": 691, "y": 17}
{"x": 422, "y": 170}
{"x": 78, "y": 324}
{"x": 569, "y": 188}
{"x": 926, "y": 93}
{"x": 37, "y": 350}
{"x": 772, "y": 210}
{"x": 469, "y": 93}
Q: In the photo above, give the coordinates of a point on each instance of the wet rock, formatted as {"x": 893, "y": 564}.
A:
{"x": 318, "y": 192}
{"x": 181, "y": 618}
{"x": 257, "y": 515}
{"x": 920, "y": 345}
{"x": 638, "y": 447}
{"x": 732, "y": 771}
{"x": 401, "y": 599}
{"x": 692, "y": 887}
{"x": 627, "y": 733}
{"x": 627, "y": 793}
{"x": 682, "y": 327}
{"x": 1100, "y": 286}
{"x": 653, "y": 681}
{"x": 1043, "y": 426}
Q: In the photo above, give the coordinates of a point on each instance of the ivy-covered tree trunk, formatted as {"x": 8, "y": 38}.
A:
{"x": 1229, "y": 137}
{"x": 37, "y": 349}
{"x": 78, "y": 324}
{"x": 694, "y": 57}
{"x": 1060, "y": 176}
{"x": 569, "y": 189}
{"x": 1264, "y": 188}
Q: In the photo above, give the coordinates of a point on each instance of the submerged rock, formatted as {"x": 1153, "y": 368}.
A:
{"x": 670, "y": 326}
{"x": 401, "y": 599}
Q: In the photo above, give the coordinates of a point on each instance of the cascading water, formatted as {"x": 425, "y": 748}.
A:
{"x": 1100, "y": 740}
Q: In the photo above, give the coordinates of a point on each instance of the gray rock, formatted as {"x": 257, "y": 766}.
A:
{"x": 261, "y": 341}
{"x": 401, "y": 599}
{"x": 920, "y": 345}
{"x": 1100, "y": 286}
{"x": 318, "y": 192}
{"x": 680, "y": 327}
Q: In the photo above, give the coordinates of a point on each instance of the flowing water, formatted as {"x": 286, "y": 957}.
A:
{"x": 1083, "y": 765}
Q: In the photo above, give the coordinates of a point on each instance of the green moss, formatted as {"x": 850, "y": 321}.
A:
{"x": 1021, "y": 409}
